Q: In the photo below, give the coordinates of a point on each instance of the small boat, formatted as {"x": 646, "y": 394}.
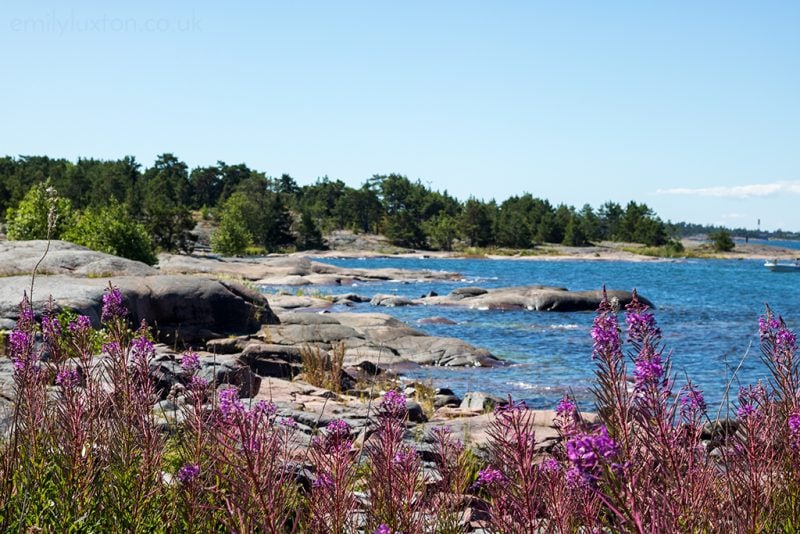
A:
{"x": 776, "y": 267}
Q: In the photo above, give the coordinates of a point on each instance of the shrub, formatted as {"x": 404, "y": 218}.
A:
{"x": 41, "y": 209}
{"x": 721, "y": 241}
{"x": 112, "y": 230}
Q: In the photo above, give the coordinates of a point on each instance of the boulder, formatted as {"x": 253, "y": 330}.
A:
{"x": 534, "y": 298}
{"x": 371, "y": 337}
{"x": 390, "y": 301}
{"x": 19, "y": 258}
{"x": 181, "y": 309}
{"x": 481, "y": 402}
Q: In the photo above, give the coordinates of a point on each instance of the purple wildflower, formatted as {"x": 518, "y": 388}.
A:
{"x": 750, "y": 398}
{"x": 588, "y": 451}
{"x": 188, "y": 473}
{"x": 767, "y": 324}
{"x": 51, "y": 328}
{"x": 229, "y": 402}
{"x": 647, "y": 370}
{"x": 142, "y": 349}
{"x": 692, "y": 403}
{"x": 745, "y": 410}
{"x": 288, "y": 422}
{"x": 81, "y": 324}
{"x": 794, "y": 423}
{"x": 112, "y": 305}
{"x": 324, "y": 481}
{"x": 641, "y": 326}
{"x": 405, "y": 457}
{"x": 112, "y": 348}
{"x": 190, "y": 362}
{"x": 198, "y": 383}
{"x": 394, "y": 404}
{"x": 549, "y": 466}
{"x": 338, "y": 428}
{"x": 489, "y": 477}
{"x": 785, "y": 340}
{"x": 383, "y": 529}
{"x": 605, "y": 334}
{"x": 566, "y": 407}
{"x": 19, "y": 342}
{"x": 265, "y": 407}
{"x": 25, "y": 319}
{"x": 68, "y": 378}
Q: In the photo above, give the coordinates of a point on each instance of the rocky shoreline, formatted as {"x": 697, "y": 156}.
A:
{"x": 258, "y": 343}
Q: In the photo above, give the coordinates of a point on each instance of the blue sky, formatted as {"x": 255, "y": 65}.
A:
{"x": 691, "y": 107}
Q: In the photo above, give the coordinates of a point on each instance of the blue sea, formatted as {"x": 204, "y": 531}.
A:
{"x": 707, "y": 309}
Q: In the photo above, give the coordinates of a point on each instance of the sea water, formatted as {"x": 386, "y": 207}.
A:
{"x": 707, "y": 309}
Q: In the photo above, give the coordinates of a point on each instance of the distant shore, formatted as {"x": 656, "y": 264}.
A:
{"x": 605, "y": 251}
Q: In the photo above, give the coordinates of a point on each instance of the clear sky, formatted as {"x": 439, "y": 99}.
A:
{"x": 691, "y": 107}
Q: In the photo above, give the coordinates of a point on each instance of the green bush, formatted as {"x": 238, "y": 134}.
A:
{"x": 232, "y": 237}
{"x": 721, "y": 241}
{"x": 30, "y": 219}
{"x": 112, "y": 230}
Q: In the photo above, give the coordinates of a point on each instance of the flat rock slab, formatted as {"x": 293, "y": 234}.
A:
{"x": 375, "y": 337}
{"x": 534, "y": 298}
{"x": 185, "y": 309}
{"x": 19, "y": 258}
{"x": 292, "y": 270}
{"x": 473, "y": 427}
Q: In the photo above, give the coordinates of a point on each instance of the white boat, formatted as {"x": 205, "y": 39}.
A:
{"x": 777, "y": 267}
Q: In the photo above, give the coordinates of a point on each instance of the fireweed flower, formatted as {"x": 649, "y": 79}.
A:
{"x": 394, "y": 404}
{"x": 605, "y": 334}
{"x": 588, "y": 452}
{"x": 80, "y": 325}
{"x": 25, "y": 319}
{"x": 198, "y": 383}
{"x": 112, "y": 348}
{"x": 549, "y": 466}
{"x": 750, "y": 399}
{"x": 692, "y": 403}
{"x": 190, "y": 362}
{"x": 112, "y": 305}
{"x": 229, "y": 403}
{"x": 142, "y": 349}
{"x": 288, "y": 422}
{"x": 565, "y": 407}
{"x": 383, "y": 529}
{"x": 405, "y": 457}
{"x": 641, "y": 325}
{"x": 767, "y": 324}
{"x": 19, "y": 343}
{"x": 51, "y": 328}
{"x": 785, "y": 341}
{"x": 648, "y": 369}
{"x": 188, "y": 473}
{"x": 745, "y": 410}
{"x": 68, "y": 378}
{"x": 263, "y": 407}
{"x": 490, "y": 477}
{"x": 323, "y": 480}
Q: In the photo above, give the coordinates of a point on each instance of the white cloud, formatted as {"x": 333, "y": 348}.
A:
{"x": 736, "y": 191}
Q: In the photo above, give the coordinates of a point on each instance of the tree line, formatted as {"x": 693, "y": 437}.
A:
{"x": 257, "y": 212}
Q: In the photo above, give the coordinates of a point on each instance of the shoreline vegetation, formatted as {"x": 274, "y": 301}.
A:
{"x": 125, "y": 209}
{"x": 93, "y": 421}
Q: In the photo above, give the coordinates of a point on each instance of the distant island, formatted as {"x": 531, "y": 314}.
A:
{"x": 123, "y": 208}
